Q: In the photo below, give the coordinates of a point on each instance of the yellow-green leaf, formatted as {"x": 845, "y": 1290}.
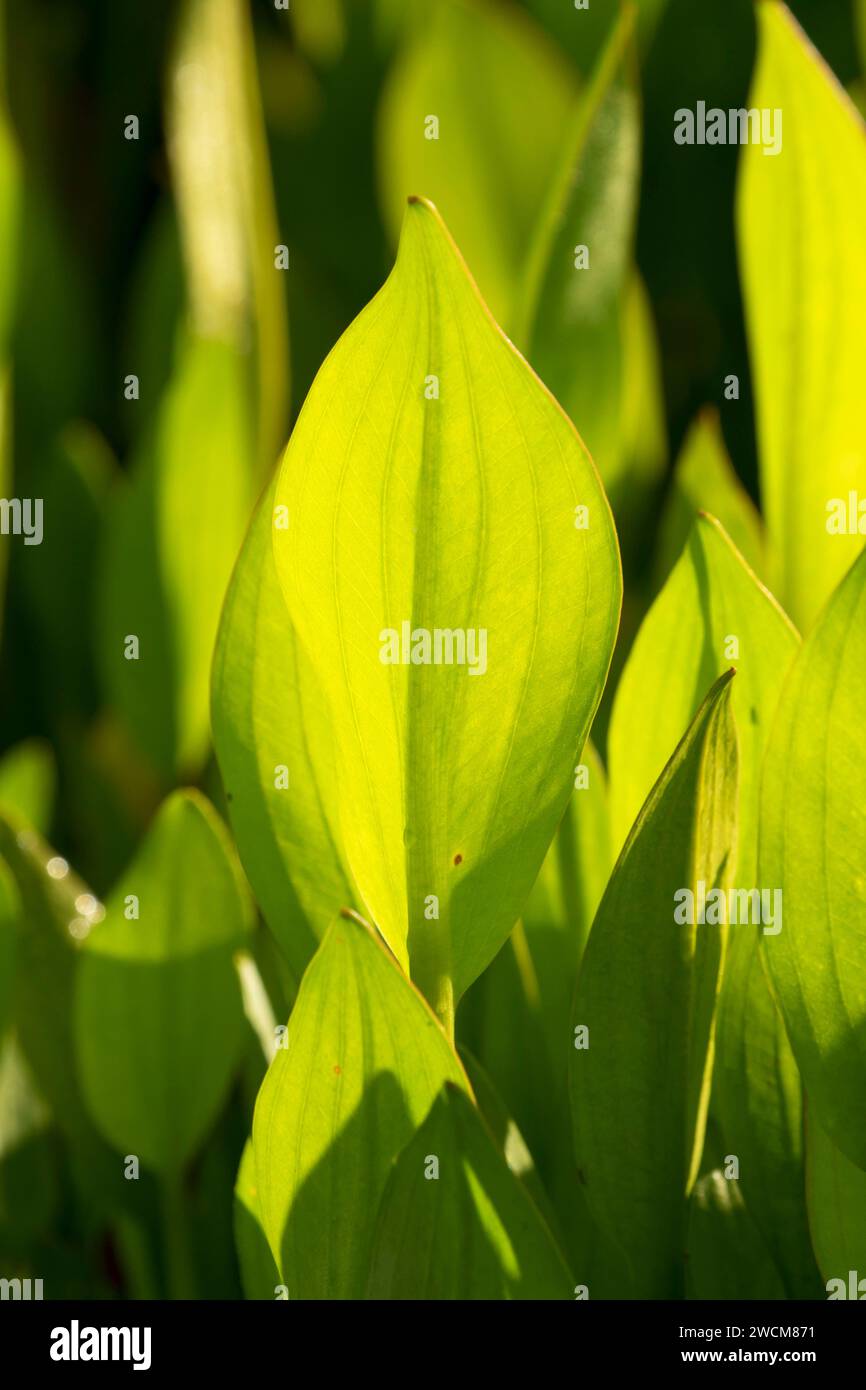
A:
{"x": 802, "y": 236}
{"x": 452, "y": 571}
{"x": 364, "y": 1062}
{"x": 274, "y": 742}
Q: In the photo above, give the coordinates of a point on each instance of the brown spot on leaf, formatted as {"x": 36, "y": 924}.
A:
{"x": 458, "y": 859}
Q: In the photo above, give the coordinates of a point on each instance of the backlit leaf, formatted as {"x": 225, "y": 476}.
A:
{"x": 274, "y": 742}
{"x": 364, "y": 1062}
{"x": 647, "y": 996}
{"x": 458, "y": 516}
{"x": 802, "y": 236}
{"x": 27, "y": 778}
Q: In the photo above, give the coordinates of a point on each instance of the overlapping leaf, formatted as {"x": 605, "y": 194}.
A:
{"x": 364, "y": 1063}
{"x": 836, "y": 1196}
{"x": 468, "y": 1232}
{"x": 459, "y": 514}
{"x": 646, "y": 996}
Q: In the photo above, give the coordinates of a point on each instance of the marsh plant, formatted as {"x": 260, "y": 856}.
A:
{"x": 349, "y": 973}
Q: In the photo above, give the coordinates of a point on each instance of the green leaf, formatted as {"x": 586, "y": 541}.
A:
{"x": 685, "y": 642}
{"x": 27, "y": 781}
{"x": 471, "y": 1232}
{"x": 802, "y": 236}
{"x": 647, "y": 995}
{"x": 727, "y": 1256}
{"x": 489, "y": 76}
{"x": 159, "y": 1020}
{"x": 704, "y": 481}
{"x": 571, "y": 324}
{"x": 225, "y": 202}
{"x": 364, "y": 1062}
{"x": 172, "y": 542}
{"x": 713, "y": 613}
{"x": 836, "y": 1197}
{"x": 813, "y": 848}
{"x": 453, "y": 515}
{"x": 268, "y": 715}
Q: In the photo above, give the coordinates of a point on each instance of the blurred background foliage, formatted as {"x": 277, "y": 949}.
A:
{"x": 156, "y": 258}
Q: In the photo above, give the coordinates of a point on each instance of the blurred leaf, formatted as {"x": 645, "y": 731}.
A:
{"x": 813, "y": 848}
{"x": 28, "y": 1174}
{"x": 643, "y": 426}
{"x": 571, "y": 318}
{"x": 711, "y": 614}
{"x": 158, "y": 1020}
{"x": 27, "y": 782}
{"x": 727, "y": 1258}
{"x": 583, "y": 33}
{"x": 154, "y": 314}
{"x": 320, "y": 28}
{"x": 10, "y": 911}
{"x": 5, "y": 473}
{"x": 171, "y": 544}
{"x": 53, "y": 901}
{"x": 10, "y": 214}
{"x": 259, "y": 1274}
{"x": 225, "y": 202}
{"x": 472, "y": 765}
{"x": 364, "y": 1062}
{"x": 269, "y": 714}
{"x": 704, "y": 481}
{"x": 490, "y": 77}
{"x": 802, "y": 236}
{"x": 471, "y": 1232}
{"x": 836, "y": 1197}
{"x": 647, "y": 996}
{"x": 57, "y": 578}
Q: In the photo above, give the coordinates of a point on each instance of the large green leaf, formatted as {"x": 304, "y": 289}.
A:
{"x": 813, "y": 848}
{"x": 802, "y": 235}
{"x": 647, "y": 996}
{"x": 470, "y": 1231}
{"x": 704, "y": 481}
{"x": 259, "y": 1274}
{"x": 159, "y": 1018}
{"x": 274, "y": 743}
{"x": 172, "y": 541}
{"x": 836, "y": 1195}
{"x": 452, "y": 515}
{"x": 571, "y": 320}
{"x": 489, "y": 77}
{"x": 364, "y": 1063}
{"x": 225, "y": 201}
